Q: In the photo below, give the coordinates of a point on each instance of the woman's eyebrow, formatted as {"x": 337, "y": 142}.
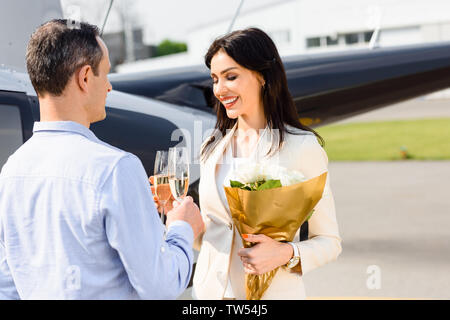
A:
{"x": 227, "y": 69}
{"x": 223, "y": 71}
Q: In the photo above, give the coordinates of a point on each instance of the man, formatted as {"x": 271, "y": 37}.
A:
{"x": 77, "y": 217}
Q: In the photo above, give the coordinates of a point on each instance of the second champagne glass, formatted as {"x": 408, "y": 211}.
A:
{"x": 161, "y": 179}
{"x": 178, "y": 172}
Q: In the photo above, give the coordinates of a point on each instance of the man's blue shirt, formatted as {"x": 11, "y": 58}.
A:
{"x": 78, "y": 221}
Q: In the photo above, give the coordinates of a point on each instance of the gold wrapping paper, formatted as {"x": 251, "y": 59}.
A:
{"x": 277, "y": 213}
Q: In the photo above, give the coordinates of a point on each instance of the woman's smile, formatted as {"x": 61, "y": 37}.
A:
{"x": 229, "y": 102}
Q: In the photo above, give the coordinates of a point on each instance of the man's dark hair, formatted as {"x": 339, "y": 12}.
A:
{"x": 57, "y": 49}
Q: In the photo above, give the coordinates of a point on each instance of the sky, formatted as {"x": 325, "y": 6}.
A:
{"x": 160, "y": 19}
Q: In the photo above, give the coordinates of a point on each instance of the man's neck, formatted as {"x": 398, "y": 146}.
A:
{"x": 60, "y": 109}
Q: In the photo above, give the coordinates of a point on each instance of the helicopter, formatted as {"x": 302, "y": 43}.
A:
{"x": 326, "y": 87}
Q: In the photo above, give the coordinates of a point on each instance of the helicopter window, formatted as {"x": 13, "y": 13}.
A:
{"x": 10, "y": 131}
{"x": 368, "y": 36}
{"x": 313, "y": 42}
{"x": 351, "y": 38}
{"x": 331, "y": 41}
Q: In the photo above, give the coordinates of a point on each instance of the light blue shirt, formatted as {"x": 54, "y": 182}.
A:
{"x": 78, "y": 221}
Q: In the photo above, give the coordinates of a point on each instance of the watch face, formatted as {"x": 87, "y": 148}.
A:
{"x": 293, "y": 262}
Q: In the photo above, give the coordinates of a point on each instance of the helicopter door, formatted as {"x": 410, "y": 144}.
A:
{"x": 15, "y": 122}
{"x": 11, "y": 137}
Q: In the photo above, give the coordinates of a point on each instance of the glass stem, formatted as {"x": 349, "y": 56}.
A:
{"x": 163, "y": 214}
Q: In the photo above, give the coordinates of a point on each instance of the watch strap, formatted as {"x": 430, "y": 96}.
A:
{"x": 295, "y": 258}
{"x": 296, "y": 253}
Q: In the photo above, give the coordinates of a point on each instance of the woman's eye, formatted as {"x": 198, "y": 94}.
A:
{"x": 229, "y": 78}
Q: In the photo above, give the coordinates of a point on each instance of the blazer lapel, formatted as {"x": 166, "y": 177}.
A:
{"x": 214, "y": 202}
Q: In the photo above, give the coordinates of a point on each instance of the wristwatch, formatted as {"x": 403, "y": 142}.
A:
{"x": 295, "y": 259}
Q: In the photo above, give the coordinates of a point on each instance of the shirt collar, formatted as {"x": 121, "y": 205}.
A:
{"x": 66, "y": 126}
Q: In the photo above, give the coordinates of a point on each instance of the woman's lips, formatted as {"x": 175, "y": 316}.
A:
{"x": 229, "y": 102}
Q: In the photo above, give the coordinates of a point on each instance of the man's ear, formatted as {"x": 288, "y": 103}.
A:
{"x": 83, "y": 76}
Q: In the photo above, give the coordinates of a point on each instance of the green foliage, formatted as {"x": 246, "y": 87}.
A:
{"x": 167, "y": 47}
{"x": 269, "y": 184}
{"x": 236, "y": 184}
{"x": 257, "y": 185}
{"x": 424, "y": 139}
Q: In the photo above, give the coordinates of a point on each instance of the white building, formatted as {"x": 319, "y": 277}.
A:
{"x": 305, "y": 26}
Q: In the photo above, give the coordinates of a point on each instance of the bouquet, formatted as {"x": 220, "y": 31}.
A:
{"x": 270, "y": 200}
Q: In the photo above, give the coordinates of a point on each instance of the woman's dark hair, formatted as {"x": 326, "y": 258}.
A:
{"x": 253, "y": 49}
{"x": 57, "y": 49}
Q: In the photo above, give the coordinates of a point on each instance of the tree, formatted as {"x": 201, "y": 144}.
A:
{"x": 167, "y": 47}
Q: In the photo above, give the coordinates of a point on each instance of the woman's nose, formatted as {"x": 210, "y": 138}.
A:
{"x": 220, "y": 89}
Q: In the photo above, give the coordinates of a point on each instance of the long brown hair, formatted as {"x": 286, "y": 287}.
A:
{"x": 253, "y": 49}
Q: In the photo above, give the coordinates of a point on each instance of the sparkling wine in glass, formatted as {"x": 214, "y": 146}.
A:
{"x": 178, "y": 172}
{"x": 161, "y": 179}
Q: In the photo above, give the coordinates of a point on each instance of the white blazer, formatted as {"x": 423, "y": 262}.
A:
{"x": 220, "y": 240}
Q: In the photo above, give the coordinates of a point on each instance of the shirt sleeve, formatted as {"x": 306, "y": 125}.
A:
{"x": 324, "y": 242}
{"x": 158, "y": 266}
{"x": 7, "y": 287}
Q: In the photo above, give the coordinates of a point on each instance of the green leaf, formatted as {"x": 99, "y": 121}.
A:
{"x": 258, "y": 183}
{"x": 270, "y": 184}
{"x": 236, "y": 184}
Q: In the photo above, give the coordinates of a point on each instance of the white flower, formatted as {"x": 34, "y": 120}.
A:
{"x": 247, "y": 172}
{"x": 296, "y": 177}
{"x": 251, "y": 172}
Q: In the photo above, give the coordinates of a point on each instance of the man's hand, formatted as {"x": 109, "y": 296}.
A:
{"x": 265, "y": 255}
{"x": 187, "y": 211}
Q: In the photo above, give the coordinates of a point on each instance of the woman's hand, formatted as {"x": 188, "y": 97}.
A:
{"x": 169, "y": 203}
{"x": 266, "y": 255}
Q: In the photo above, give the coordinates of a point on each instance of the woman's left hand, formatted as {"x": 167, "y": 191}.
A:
{"x": 266, "y": 255}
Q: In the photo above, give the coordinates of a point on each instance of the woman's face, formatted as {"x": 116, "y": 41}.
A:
{"x": 237, "y": 88}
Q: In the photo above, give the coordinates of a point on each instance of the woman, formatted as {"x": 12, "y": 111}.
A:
{"x": 256, "y": 121}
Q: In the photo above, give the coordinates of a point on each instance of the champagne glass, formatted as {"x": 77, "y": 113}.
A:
{"x": 178, "y": 172}
{"x": 161, "y": 179}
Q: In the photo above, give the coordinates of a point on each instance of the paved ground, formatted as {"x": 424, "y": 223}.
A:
{"x": 394, "y": 215}
{"x": 394, "y": 218}
{"x": 411, "y": 109}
